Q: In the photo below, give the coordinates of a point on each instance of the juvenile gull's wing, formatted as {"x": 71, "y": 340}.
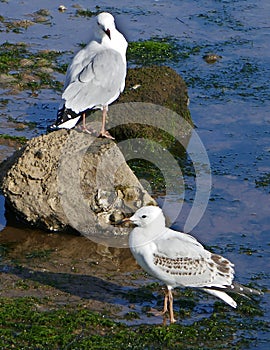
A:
{"x": 184, "y": 262}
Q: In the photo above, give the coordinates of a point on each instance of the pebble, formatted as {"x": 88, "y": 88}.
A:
{"x": 62, "y": 8}
{"x": 211, "y": 57}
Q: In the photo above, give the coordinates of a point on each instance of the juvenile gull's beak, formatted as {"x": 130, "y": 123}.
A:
{"x": 123, "y": 221}
{"x": 126, "y": 222}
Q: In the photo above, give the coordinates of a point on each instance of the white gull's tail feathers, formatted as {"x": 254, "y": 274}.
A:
{"x": 66, "y": 119}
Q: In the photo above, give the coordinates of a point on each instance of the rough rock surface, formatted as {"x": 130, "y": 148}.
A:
{"x": 63, "y": 179}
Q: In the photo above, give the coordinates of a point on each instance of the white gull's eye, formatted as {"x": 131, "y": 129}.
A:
{"x": 144, "y": 216}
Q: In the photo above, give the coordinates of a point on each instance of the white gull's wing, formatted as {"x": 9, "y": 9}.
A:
{"x": 80, "y": 60}
{"x": 99, "y": 82}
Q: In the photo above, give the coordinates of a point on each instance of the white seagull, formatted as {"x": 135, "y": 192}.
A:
{"x": 96, "y": 76}
{"x": 179, "y": 260}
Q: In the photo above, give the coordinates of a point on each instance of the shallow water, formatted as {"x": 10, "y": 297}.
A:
{"x": 229, "y": 105}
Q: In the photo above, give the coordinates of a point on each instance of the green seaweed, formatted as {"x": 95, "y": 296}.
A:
{"x": 263, "y": 181}
{"x": 20, "y": 139}
{"x": 10, "y": 56}
{"x": 152, "y": 51}
{"x": 28, "y": 70}
{"x": 86, "y": 13}
{"x": 39, "y": 254}
{"x": 32, "y": 323}
{"x": 158, "y": 51}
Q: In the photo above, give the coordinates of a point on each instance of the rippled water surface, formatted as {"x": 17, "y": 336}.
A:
{"x": 229, "y": 103}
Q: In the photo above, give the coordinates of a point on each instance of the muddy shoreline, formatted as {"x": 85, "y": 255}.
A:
{"x": 230, "y": 108}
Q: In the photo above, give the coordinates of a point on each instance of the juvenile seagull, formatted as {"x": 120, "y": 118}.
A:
{"x": 179, "y": 260}
{"x": 96, "y": 76}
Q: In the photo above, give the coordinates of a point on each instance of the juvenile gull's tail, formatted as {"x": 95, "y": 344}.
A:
{"x": 236, "y": 288}
{"x": 243, "y": 290}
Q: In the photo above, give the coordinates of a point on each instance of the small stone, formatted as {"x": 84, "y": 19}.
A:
{"x": 46, "y": 70}
{"x": 62, "y": 8}
{"x": 211, "y": 58}
{"x": 25, "y": 62}
{"x": 43, "y": 12}
{"x": 30, "y": 78}
{"x": 6, "y": 78}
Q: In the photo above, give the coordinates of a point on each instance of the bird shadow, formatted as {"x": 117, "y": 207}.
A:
{"x": 80, "y": 285}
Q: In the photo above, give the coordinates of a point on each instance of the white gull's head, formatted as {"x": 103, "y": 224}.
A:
{"x": 105, "y": 24}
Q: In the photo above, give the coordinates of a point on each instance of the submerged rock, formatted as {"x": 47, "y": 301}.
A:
{"x": 160, "y": 85}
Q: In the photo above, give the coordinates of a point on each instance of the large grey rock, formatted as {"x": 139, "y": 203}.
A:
{"x": 72, "y": 179}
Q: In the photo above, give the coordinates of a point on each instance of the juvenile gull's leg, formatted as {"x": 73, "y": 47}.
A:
{"x": 172, "y": 319}
{"x": 165, "y": 305}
